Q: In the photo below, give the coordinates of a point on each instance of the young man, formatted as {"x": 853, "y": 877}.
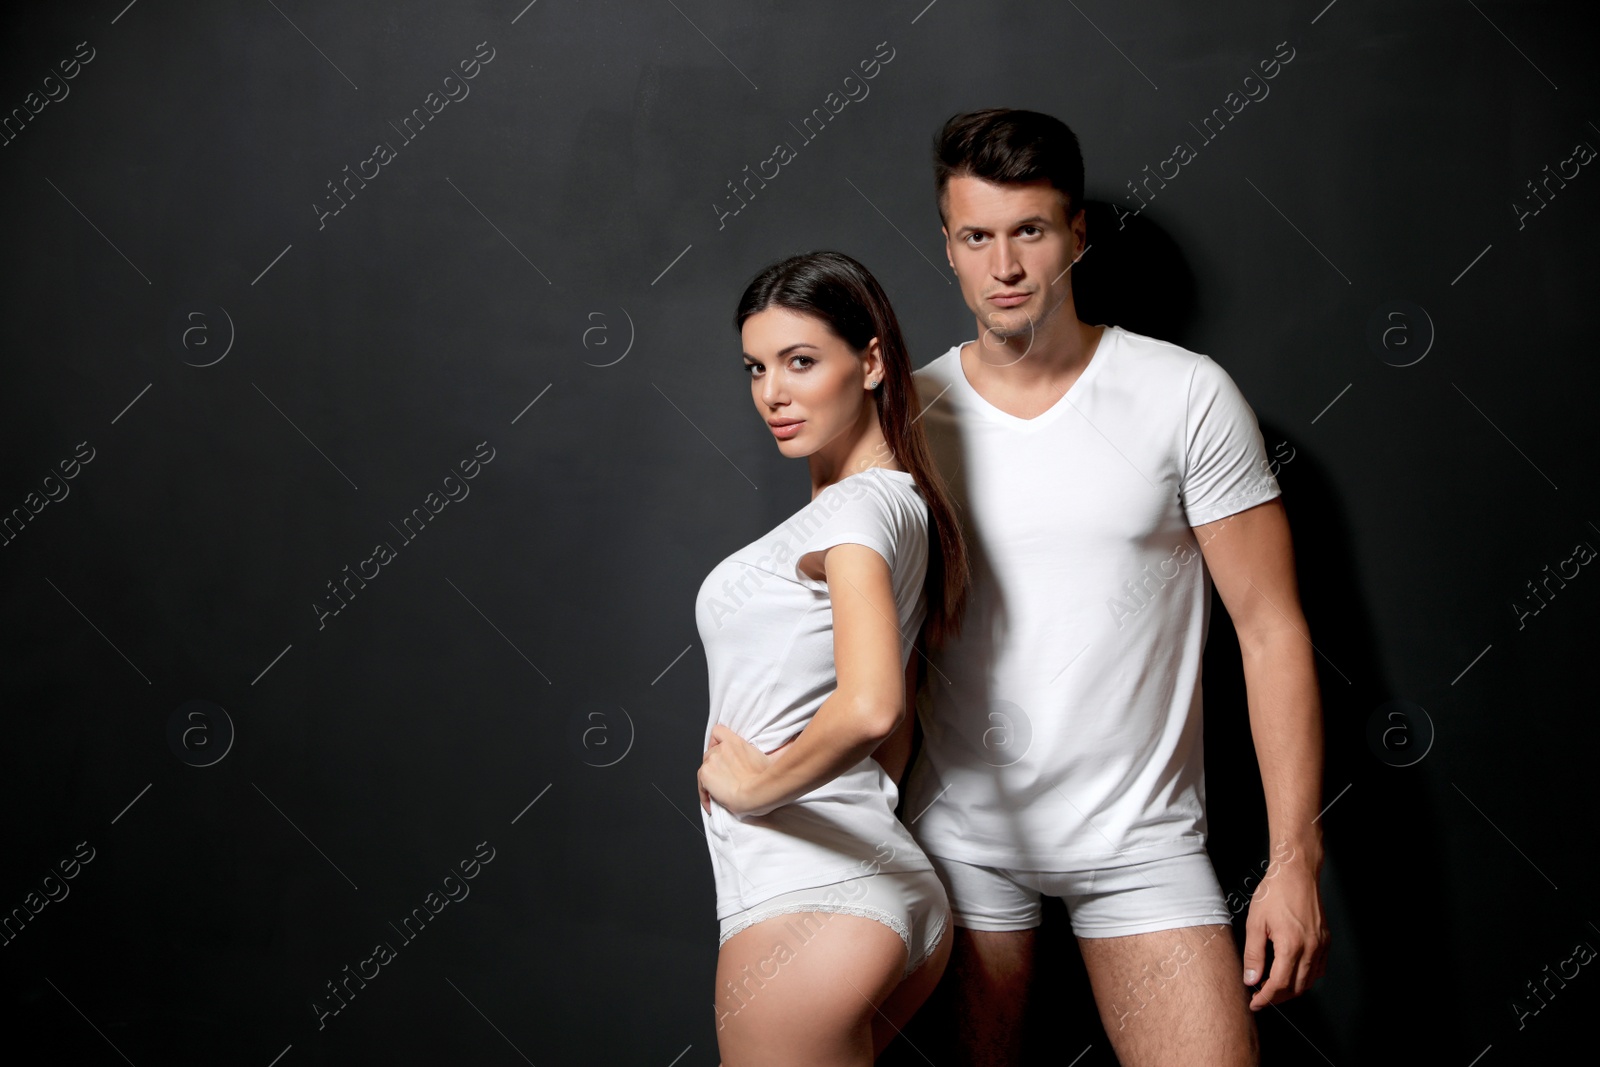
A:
{"x": 1106, "y": 480}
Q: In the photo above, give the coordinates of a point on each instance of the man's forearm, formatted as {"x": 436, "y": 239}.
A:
{"x": 1286, "y": 726}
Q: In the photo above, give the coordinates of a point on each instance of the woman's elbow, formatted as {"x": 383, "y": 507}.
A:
{"x": 878, "y": 717}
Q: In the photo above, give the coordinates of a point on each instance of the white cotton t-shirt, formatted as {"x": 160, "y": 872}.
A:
{"x": 1062, "y": 729}
{"x": 768, "y": 636}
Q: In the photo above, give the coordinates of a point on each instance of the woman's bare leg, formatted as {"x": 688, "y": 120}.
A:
{"x": 804, "y": 990}
{"x": 910, "y": 994}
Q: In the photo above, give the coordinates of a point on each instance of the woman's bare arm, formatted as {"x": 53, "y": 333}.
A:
{"x": 895, "y": 751}
{"x": 864, "y": 709}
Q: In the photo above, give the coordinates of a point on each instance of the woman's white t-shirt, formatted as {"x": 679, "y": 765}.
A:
{"x": 768, "y": 636}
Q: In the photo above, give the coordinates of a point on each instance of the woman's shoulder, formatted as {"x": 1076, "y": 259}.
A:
{"x": 895, "y": 490}
{"x": 879, "y": 499}
{"x": 900, "y": 504}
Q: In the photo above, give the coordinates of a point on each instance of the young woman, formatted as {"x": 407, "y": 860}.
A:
{"x": 832, "y": 919}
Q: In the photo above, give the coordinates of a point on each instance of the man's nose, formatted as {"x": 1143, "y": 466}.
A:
{"x": 1006, "y": 265}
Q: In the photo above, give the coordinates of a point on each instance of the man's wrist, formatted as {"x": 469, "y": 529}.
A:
{"x": 1303, "y": 849}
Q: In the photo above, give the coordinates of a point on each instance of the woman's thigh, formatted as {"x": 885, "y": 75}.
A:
{"x": 803, "y": 989}
{"x": 910, "y": 994}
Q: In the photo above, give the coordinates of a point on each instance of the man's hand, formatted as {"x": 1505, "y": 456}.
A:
{"x": 729, "y": 767}
{"x": 1286, "y": 909}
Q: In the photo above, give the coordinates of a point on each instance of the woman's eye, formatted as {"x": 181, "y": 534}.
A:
{"x": 807, "y": 361}
{"x": 751, "y": 368}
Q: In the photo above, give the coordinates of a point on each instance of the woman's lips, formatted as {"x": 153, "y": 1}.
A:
{"x": 783, "y": 433}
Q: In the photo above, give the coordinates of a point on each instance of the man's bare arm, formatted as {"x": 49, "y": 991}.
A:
{"x": 1251, "y": 560}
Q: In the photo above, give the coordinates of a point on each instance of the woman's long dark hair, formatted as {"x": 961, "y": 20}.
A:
{"x": 832, "y": 287}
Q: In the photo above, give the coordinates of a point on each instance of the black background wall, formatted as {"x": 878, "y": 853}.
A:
{"x": 223, "y": 385}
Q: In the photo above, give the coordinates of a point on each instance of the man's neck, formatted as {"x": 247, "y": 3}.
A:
{"x": 1037, "y": 361}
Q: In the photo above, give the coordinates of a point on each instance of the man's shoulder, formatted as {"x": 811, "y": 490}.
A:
{"x": 1200, "y": 376}
{"x": 1148, "y": 357}
{"x": 942, "y": 368}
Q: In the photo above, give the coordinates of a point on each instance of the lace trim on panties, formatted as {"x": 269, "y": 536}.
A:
{"x": 938, "y": 933}
{"x": 913, "y": 961}
{"x": 864, "y": 910}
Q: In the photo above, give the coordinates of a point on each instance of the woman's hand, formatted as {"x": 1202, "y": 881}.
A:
{"x": 730, "y": 767}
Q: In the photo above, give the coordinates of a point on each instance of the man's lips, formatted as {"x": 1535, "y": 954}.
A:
{"x": 1008, "y": 299}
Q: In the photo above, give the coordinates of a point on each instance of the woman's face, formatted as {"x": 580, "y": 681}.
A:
{"x": 807, "y": 383}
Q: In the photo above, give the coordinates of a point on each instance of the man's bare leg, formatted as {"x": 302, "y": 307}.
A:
{"x": 1173, "y": 998}
{"x": 992, "y": 971}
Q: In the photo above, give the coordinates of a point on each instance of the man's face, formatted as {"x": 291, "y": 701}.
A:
{"x": 1011, "y": 245}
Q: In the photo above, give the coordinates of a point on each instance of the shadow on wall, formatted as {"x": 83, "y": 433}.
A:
{"x": 1134, "y": 277}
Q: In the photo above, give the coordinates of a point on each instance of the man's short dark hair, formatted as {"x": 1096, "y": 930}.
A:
{"x": 1002, "y": 144}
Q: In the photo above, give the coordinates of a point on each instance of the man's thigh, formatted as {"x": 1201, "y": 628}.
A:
{"x": 1173, "y": 997}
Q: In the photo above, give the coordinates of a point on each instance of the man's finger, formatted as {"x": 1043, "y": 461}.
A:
{"x": 1285, "y": 959}
{"x": 1306, "y": 973}
{"x": 1322, "y": 962}
{"x": 1317, "y": 961}
{"x": 1255, "y": 951}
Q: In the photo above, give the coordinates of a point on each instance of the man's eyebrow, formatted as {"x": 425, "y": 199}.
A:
{"x": 1031, "y": 220}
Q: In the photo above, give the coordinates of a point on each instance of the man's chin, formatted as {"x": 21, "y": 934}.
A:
{"x": 1002, "y": 328}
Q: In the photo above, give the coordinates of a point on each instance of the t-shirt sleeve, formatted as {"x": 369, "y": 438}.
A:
{"x": 845, "y": 513}
{"x": 1225, "y": 469}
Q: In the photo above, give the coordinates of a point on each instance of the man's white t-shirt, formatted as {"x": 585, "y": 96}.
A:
{"x": 1062, "y": 729}
{"x": 768, "y": 636}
